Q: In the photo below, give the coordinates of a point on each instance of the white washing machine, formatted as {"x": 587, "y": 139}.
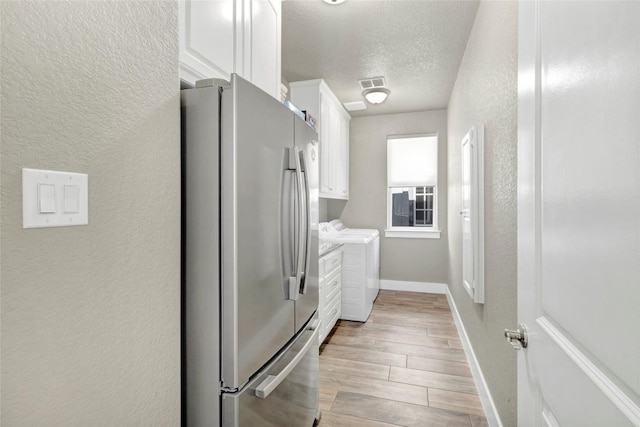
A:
{"x": 360, "y": 267}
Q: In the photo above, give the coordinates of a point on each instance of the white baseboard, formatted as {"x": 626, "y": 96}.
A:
{"x": 424, "y": 287}
{"x": 490, "y": 411}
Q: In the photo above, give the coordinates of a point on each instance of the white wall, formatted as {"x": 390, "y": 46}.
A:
{"x": 485, "y": 92}
{"x": 417, "y": 260}
{"x": 91, "y": 314}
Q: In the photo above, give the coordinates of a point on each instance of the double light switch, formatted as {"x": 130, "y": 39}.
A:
{"x": 54, "y": 199}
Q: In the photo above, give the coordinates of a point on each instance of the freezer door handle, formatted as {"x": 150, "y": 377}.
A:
{"x": 272, "y": 382}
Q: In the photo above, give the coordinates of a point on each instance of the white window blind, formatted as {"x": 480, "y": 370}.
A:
{"x": 412, "y": 161}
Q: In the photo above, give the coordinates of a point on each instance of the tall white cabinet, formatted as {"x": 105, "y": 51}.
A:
{"x": 316, "y": 97}
{"x": 220, "y": 37}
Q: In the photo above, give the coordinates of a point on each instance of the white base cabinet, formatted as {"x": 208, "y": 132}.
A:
{"x": 220, "y": 37}
{"x": 316, "y": 97}
{"x": 330, "y": 301}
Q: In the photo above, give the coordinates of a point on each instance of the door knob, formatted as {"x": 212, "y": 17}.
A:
{"x": 518, "y": 338}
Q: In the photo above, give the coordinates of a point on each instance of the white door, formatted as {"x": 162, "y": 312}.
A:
{"x": 579, "y": 213}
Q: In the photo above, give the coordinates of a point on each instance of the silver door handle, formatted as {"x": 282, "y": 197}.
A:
{"x": 301, "y": 259}
{"x": 288, "y": 219}
{"x": 518, "y": 338}
{"x": 272, "y": 382}
{"x": 307, "y": 217}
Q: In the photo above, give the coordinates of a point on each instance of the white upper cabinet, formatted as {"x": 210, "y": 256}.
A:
{"x": 262, "y": 45}
{"x": 220, "y": 37}
{"x": 315, "y": 97}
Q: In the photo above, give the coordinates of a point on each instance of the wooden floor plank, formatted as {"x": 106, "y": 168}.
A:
{"x": 363, "y": 355}
{"x": 433, "y": 379}
{"x": 404, "y": 414}
{"x": 439, "y": 365}
{"x": 354, "y": 368}
{"x": 421, "y": 350}
{"x": 443, "y": 331}
{"x": 367, "y": 336}
{"x": 453, "y": 401}
{"x": 455, "y": 343}
{"x": 399, "y": 329}
{"x": 335, "y": 419}
{"x": 355, "y": 340}
{"x": 477, "y": 421}
{"x": 411, "y": 319}
{"x": 327, "y": 396}
{"x": 383, "y": 389}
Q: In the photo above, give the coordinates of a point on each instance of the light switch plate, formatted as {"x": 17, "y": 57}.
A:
{"x": 32, "y": 179}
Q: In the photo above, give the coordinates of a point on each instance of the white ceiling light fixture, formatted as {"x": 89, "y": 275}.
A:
{"x": 334, "y": 1}
{"x": 376, "y": 96}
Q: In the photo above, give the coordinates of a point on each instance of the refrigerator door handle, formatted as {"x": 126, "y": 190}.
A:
{"x": 307, "y": 218}
{"x": 273, "y": 381}
{"x": 302, "y": 221}
{"x": 290, "y": 204}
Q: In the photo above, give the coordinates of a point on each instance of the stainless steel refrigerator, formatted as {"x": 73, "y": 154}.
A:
{"x": 250, "y": 247}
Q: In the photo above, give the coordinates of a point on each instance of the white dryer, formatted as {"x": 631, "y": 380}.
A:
{"x": 360, "y": 267}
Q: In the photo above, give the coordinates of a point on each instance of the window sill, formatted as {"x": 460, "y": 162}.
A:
{"x": 413, "y": 234}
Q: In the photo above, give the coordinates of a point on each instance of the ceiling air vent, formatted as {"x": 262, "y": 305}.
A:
{"x": 355, "y": 106}
{"x": 372, "y": 83}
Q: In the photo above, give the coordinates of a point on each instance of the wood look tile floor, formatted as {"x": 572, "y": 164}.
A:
{"x": 405, "y": 366}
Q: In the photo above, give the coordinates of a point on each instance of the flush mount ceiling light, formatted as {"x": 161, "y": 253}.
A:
{"x": 334, "y": 1}
{"x": 376, "y": 96}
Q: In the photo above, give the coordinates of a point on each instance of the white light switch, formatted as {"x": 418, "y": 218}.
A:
{"x": 46, "y": 198}
{"x": 71, "y": 198}
{"x": 54, "y": 199}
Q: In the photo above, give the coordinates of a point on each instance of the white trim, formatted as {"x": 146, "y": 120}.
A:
{"x": 618, "y": 397}
{"x": 424, "y": 287}
{"x": 413, "y": 234}
{"x": 488, "y": 405}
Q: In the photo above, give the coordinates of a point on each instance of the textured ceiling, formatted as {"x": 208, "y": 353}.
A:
{"x": 416, "y": 45}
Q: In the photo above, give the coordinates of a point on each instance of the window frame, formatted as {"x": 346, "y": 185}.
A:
{"x": 414, "y": 232}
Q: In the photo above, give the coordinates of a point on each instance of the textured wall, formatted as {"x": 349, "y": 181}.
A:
{"x": 91, "y": 314}
{"x": 420, "y": 260}
{"x": 486, "y": 93}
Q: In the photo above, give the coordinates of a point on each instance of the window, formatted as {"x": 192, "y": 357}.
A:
{"x": 412, "y": 184}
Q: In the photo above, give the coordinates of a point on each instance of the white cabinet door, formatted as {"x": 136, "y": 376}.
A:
{"x": 220, "y": 37}
{"x": 343, "y": 159}
{"x": 262, "y": 45}
{"x": 579, "y": 213}
{"x": 208, "y": 46}
{"x": 333, "y": 130}
{"x": 332, "y": 144}
{"x": 325, "y": 132}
